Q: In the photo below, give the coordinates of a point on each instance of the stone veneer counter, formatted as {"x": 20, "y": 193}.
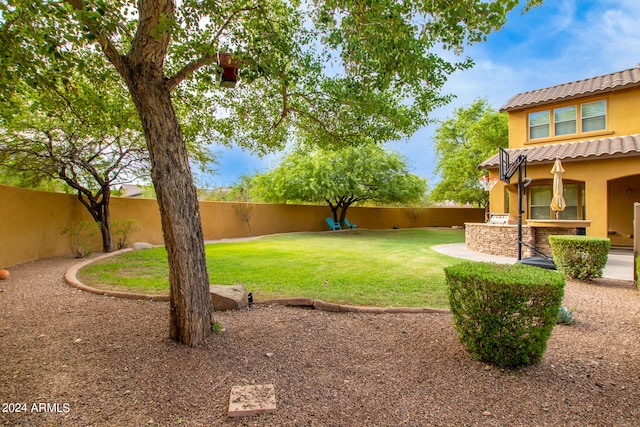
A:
{"x": 502, "y": 239}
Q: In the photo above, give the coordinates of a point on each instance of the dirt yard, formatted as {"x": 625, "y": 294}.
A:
{"x": 90, "y": 360}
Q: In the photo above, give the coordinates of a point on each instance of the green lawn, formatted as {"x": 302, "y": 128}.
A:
{"x": 390, "y": 268}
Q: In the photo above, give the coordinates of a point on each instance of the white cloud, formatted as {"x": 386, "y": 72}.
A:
{"x": 611, "y": 36}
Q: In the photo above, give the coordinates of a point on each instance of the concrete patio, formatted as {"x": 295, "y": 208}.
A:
{"x": 619, "y": 265}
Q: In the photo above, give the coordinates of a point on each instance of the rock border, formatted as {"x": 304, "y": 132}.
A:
{"x": 342, "y": 308}
{"x": 71, "y": 277}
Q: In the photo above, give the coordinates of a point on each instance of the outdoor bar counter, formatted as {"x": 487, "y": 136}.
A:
{"x": 502, "y": 239}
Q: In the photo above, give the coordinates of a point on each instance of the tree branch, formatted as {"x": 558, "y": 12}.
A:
{"x": 333, "y": 135}
{"x": 108, "y": 47}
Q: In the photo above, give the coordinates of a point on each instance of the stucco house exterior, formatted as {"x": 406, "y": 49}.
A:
{"x": 593, "y": 127}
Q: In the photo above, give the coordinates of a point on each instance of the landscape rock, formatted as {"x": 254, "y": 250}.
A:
{"x": 141, "y": 245}
{"x": 228, "y": 297}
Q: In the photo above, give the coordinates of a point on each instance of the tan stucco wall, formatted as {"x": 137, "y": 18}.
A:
{"x": 497, "y": 202}
{"x": 31, "y": 221}
{"x": 622, "y": 119}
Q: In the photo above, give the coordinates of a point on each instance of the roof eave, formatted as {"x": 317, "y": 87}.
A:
{"x": 632, "y": 149}
{"x": 593, "y": 86}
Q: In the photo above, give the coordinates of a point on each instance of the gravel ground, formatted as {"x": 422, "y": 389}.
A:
{"x": 85, "y": 359}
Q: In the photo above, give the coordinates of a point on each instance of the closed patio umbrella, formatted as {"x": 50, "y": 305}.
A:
{"x": 557, "y": 202}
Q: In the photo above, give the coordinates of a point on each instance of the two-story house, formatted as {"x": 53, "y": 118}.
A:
{"x": 593, "y": 127}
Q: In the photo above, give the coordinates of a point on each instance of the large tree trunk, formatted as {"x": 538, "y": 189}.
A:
{"x": 142, "y": 70}
{"x": 190, "y": 301}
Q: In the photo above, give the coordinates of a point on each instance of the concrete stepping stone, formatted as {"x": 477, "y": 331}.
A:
{"x": 252, "y": 400}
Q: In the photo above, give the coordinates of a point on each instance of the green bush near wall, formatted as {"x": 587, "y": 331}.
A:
{"x": 80, "y": 237}
{"x": 122, "y": 230}
{"x": 580, "y": 257}
{"x": 638, "y": 271}
{"x": 504, "y": 314}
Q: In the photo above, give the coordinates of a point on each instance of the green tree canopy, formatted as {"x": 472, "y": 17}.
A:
{"x": 315, "y": 69}
{"x": 462, "y": 142}
{"x": 82, "y": 131}
{"x": 340, "y": 178}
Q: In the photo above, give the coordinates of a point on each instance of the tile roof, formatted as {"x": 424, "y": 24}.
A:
{"x": 606, "y": 148}
{"x": 592, "y": 86}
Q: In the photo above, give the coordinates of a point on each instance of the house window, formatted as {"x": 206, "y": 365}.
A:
{"x": 594, "y": 116}
{"x": 540, "y": 196}
{"x": 539, "y": 125}
{"x": 564, "y": 120}
{"x": 540, "y": 201}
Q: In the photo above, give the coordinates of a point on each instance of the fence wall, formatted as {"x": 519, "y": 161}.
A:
{"x": 31, "y": 221}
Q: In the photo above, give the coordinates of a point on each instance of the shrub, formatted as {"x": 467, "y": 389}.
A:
{"x": 504, "y": 314}
{"x": 580, "y": 257}
{"x": 122, "y": 230}
{"x": 81, "y": 235}
{"x": 638, "y": 270}
{"x": 565, "y": 316}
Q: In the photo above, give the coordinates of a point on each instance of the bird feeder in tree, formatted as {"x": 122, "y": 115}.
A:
{"x": 229, "y": 75}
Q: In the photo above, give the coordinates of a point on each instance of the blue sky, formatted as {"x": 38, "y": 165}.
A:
{"x": 559, "y": 42}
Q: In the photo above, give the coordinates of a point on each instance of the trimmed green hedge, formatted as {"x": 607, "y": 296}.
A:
{"x": 504, "y": 314}
{"x": 580, "y": 257}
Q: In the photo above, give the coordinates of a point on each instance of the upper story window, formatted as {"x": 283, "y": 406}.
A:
{"x": 539, "y": 125}
{"x": 564, "y": 120}
{"x": 593, "y": 117}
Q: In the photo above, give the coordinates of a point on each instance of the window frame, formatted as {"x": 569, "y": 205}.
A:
{"x": 547, "y": 124}
{"x": 605, "y": 115}
{"x": 579, "y": 121}
{"x": 580, "y": 206}
{"x": 557, "y": 122}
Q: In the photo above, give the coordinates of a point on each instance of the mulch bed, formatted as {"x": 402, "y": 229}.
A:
{"x": 86, "y": 359}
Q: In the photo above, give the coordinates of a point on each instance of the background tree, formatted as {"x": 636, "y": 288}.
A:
{"x": 242, "y": 205}
{"x": 463, "y": 141}
{"x": 341, "y": 177}
{"x": 417, "y": 209}
{"x": 316, "y": 68}
{"x": 82, "y": 131}
{"x": 9, "y": 177}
